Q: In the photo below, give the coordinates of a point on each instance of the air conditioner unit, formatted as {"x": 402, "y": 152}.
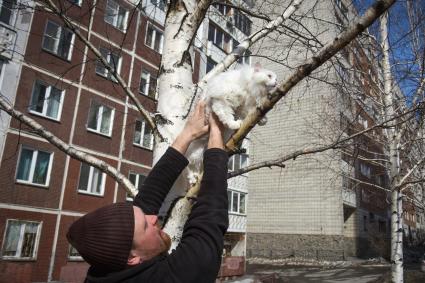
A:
{"x": 7, "y": 42}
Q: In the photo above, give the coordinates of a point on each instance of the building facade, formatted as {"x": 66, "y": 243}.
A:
{"x": 49, "y": 74}
{"x": 323, "y": 206}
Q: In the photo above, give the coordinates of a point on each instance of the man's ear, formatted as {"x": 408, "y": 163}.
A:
{"x": 134, "y": 260}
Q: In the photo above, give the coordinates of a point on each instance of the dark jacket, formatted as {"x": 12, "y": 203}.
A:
{"x": 197, "y": 258}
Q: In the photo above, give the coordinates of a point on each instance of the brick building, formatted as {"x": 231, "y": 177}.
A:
{"x": 53, "y": 77}
{"x": 50, "y": 75}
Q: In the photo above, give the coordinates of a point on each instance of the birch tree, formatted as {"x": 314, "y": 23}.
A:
{"x": 177, "y": 90}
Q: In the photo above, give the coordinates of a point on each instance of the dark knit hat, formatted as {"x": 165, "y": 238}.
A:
{"x": 104, "y": 237}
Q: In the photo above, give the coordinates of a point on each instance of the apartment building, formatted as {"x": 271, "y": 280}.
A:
{"x": 49, "y": 74}
{"x": 326, "y": 205}
{"x": 55, "y": 79}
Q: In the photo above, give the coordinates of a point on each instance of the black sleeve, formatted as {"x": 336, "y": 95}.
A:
{"x": 159, "y": 181}
{"x": 198, "y": 256}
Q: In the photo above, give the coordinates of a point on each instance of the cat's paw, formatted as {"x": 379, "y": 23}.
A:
{"x": 234, "y": 125}
{"x": 262, "y": 122}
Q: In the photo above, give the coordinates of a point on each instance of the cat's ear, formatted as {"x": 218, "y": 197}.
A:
{"x": 257, "y": 66}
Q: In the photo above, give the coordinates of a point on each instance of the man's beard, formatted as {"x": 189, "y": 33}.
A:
{"x": 166, "y": 240}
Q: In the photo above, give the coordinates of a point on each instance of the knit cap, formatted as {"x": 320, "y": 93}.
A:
{"x": 104, "y": 237}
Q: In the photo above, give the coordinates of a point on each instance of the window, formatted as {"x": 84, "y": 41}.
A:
{"x": 242, "y": 22}
{"x": 154, "y": 38}
{"x": 116, "y": 15}
{"x": 46, "y": 100}
{"x": 245, "y": 58}
{"x": 6, "y": 11}
{"x": 113, "y": 59}
{"x": 92, "y": 180}
{"x": 143, "y": 135}
{"x": 21, "y": 239}
{"x": 137, "y": 180}
{"x": 160, "y": 4}
{"x": 220, "y": 38}
{"x": 238, "y": 161}
{"x": 74, "y": 254}
{"x": 223, "y": 9}
{"x": 148, "y": 84}
{"x": 58, "y": 40}
{"x": 100, "y": 118}
{"x": 76, "y": 2}
{"x": 237, "y": 201}
{"x": 365, "y": 170}
{"x": 210, "y": 64}
{"x": 34, "y": 167}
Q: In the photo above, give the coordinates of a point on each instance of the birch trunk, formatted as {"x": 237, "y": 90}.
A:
{"x": 393, "y": 150}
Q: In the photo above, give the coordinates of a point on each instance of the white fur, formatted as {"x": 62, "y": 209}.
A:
{"x": 231, "y": 95}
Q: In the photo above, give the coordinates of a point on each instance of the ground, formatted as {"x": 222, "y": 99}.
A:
{"x": 355, "y": 271}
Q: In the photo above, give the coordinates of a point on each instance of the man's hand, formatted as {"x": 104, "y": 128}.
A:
{"x": 196, "y": 126}
{"x": 216, "y": 133}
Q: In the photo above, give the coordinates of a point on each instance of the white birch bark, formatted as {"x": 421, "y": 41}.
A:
{"x": 394, "y": 155}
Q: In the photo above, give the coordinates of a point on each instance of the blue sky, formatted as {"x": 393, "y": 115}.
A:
{"x": 405, "y": 70}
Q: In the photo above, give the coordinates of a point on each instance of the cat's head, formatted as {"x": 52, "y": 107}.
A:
{"x": 264, "y": 77}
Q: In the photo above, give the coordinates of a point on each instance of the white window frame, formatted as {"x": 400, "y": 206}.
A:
{"x": 105, "y": 72}
{"x": 145, "y": 92}
{"x": 71, "y": 257}
{"x": 156, "y": 31}
{"x": 46, "y": 101}
{"x": 116, "y": 15}
{"x": 57, "y": 43}
{"x": 232, "y": 209}
{"x": 142, "y": 132}
{"x": 32, "y": 167}
{"x": 20, "y": 241}
{"x": 99, "y": 117}
{"x": 89, "y": 182}
{"x": 232, "y": 161}
{"x": 137, "y": 182}
{"x": 157, "y": 4}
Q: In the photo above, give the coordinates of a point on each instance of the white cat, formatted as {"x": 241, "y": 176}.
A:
{"x": 231, "y": 95}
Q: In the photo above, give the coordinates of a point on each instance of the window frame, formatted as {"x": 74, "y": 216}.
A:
{"x": 74, "y": 258}
{"x": 232, "y": 161}
{"x": 237, "y": 211}
{"x": 156, "y": 31}
{"x": 13, "y": 15}
{"x": 90, "y": 178}
{"x": 137, "y": 182}
{"x": 142, "y": 132}
{"x": 147, "y": 86}
{"x": 99, "y": 121}
{"x": 158, "y": 5}
{"x": 106, "y": 73}
{"x": 32, "y": 167}
{"x": 45, "y": 104}
{"x": 79, "y": 4}
{"x": 116, "y": 16}
{"x": 20, "y": 241}
{"x": 61, "y": 29}
{"x": 224, "y": 46}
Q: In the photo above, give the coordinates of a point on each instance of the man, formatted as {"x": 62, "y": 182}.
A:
{"x": 122, "y": 242}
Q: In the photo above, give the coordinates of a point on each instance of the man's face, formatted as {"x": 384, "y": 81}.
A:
{"x": 148, "y": 240}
